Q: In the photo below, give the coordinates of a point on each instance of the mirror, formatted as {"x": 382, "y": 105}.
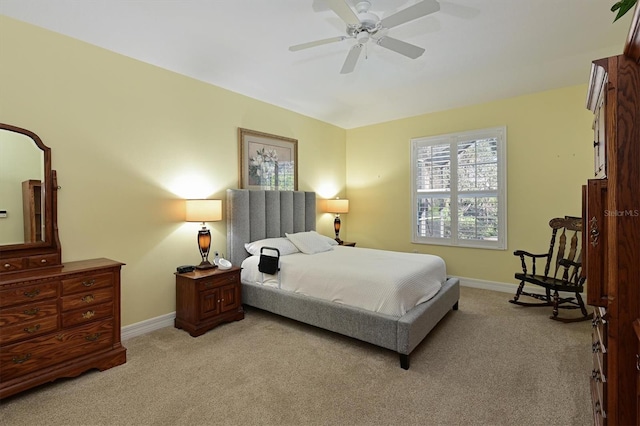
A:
{"x": 26, "y": 180}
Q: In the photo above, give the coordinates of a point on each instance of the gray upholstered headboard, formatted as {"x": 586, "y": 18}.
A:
{"x": 254, "y": 215}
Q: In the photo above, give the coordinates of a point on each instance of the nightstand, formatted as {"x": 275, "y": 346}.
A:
{"x": 206, "y": 298}
{"x": 347, "y": 243}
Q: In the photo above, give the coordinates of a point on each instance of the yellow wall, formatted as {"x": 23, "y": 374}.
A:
{"x": 130, "y": 141}
{"x": 549, "y": 157}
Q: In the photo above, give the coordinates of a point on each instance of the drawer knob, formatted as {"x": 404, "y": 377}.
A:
{"x": 88, "y": 314}
{"x": 88, "y": 298}
{"x": 32, "y": 329}
{"x": 43, "y": 261}
{"x": 93, "y": 337}
{"x": 32, "y": 294}
{"x": 7, "y": 265}
{"x": 88, "y": 283}
{"x": 20, "y": 359}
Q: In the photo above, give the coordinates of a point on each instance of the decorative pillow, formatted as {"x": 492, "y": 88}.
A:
{"x": 284, "y": 245}
{"x": 310, "y": 242}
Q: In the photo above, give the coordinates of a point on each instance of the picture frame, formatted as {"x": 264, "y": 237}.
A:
{"x": 267, "y": 162}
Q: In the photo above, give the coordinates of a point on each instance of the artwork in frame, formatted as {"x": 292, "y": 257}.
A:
{"x": 267, "y": 162}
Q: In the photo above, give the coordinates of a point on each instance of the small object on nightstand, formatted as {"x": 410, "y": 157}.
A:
{"x": 185, "y": 268}
{"x": 224, "y": 264}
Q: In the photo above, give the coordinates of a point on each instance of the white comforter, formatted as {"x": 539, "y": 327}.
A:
{"x": 377, "y": 280}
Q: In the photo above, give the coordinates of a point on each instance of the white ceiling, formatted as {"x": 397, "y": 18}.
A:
{"x": 476, "y": 50}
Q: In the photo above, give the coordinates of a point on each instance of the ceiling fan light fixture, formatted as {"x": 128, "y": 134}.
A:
{"x": 362, "y": 37}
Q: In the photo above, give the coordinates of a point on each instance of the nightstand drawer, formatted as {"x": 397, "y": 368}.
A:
{"x": 217, "y": 281}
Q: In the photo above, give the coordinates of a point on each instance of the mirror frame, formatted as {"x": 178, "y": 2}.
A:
{"x": 50, "y": 246}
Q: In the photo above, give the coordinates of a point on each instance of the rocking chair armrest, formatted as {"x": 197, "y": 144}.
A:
{"x": 569, "y": 263}
{"x": 526, "y": 253}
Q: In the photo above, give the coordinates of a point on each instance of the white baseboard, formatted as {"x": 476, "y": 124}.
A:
{"x": 502, "y": 287}
{"x": 490, "y": 285}
{"x": 147, "y": 326}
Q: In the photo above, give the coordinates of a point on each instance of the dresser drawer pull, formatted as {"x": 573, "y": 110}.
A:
{"x": 88, "y": 298}
{"x": 32, "y": 329}
{"x": 43, "y": 260}
{"x": 32, "y": 294}
{"x": 93, "y": 337}
{"x": 21, "y": 359}
{"x": 33, "y": 311}
{"x": 88, "y": 283}
{"x": 7, "y": 265}
{"x": 88, "y": 314}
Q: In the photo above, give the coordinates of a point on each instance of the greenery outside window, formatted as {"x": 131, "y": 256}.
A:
{"x": 459, "y": 189}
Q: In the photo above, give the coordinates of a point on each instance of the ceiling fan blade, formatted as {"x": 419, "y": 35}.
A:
{"x": 352, "y": 59}
{"x": 316, "y": 43}
{"x": 342, "y": 9}
{"x": 416, "y": 11}
{"x": 409, "y": 50}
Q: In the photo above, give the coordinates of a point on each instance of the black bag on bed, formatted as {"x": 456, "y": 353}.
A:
{"x": 269, "y": 264}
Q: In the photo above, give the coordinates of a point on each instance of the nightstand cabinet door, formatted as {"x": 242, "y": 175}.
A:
{"x": 209, "y": 303}
{"x": 207, "y": 298}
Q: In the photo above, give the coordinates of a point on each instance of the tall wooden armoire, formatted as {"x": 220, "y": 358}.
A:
{"x": 612, "y": 233}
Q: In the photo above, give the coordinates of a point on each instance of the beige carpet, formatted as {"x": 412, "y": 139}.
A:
{"x": 490, "y": 363}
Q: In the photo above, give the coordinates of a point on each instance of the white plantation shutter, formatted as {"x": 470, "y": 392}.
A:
{"x": 459, "y": 189}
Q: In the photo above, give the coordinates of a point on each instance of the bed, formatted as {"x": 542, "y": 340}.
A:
{"x": 254, "y": 215}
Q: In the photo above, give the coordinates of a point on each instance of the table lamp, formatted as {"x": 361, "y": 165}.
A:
{"x": 204, "y": 211}
{"x": 337, "y": 207}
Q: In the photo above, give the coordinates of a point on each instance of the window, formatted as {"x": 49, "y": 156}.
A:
{"x": 459, "y": 189}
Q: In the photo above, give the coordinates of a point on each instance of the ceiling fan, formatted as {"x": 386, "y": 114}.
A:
{"x": 364, "y": 26}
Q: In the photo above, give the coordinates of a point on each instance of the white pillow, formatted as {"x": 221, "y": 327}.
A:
{"x": 284, "y": 245}
{"x": 330, "y": 240}
{"x": 310, "y": 242}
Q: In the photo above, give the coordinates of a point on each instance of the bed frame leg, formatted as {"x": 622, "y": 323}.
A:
{"x": 404, "y": 361}
{"x": 455, "y": 307}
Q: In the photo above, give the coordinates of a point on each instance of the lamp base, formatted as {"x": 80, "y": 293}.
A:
{"x": 205, "y": 264}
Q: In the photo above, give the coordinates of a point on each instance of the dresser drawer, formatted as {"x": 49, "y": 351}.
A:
{"x": 29, "y": 293}
{"x": 27, "y": 330}
{"x": 13, "y": 264}
{"x": 44, "y": 260}
{"x": 54, "y": 348}
{"x": 27, "y": 312}
{"x": 85, "y": 283}
{"x": 81, "y": 316}
{"x": 88, "y": 298}
{"x": 217, "y": 281}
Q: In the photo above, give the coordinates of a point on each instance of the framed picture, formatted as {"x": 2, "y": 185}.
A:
{"x": 267, "y": 161}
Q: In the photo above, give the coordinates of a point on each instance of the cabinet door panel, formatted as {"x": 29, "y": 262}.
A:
{"x": 209, "y": 303}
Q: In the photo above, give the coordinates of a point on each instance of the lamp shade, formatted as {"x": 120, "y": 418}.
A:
{"x": 204, "y": 210}
{"x": 338, "y": 206}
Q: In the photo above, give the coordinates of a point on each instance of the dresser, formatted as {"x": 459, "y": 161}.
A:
{"x": 56, "y": 319}
{"x": 59, "y": 323}
{"x": 206, "y": 298}
{"x": 611, "y": 210}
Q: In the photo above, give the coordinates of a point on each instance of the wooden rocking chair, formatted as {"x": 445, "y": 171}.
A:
{"x": 562, "y": 273}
